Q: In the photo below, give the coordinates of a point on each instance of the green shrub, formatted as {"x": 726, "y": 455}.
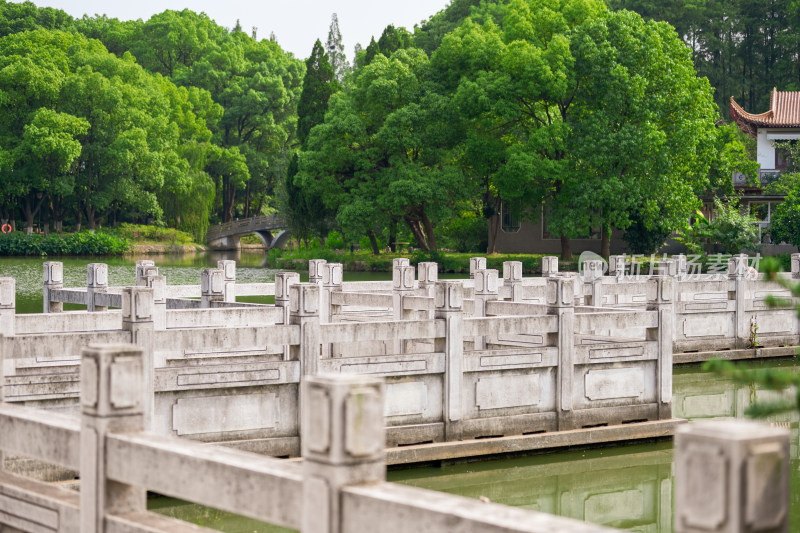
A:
{"x": 467, "y": 233}
{"x": 785, "y": 225}
{"x": 83, "y": 243}
{"x": 335, "y": 241}
{"x": 141, "y": 232}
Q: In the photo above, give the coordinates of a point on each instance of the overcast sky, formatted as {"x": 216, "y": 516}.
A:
{"x": 297, "y": 24}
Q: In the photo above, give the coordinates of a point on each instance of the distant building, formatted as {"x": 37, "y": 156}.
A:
{"x": 781, "y": 123}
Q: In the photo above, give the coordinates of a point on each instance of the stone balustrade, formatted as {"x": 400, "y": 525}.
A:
{"x": 515, "y": 356}
{"x": 730, "y": 476}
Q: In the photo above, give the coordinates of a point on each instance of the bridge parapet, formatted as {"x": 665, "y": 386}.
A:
{"x": 226, "y": 236}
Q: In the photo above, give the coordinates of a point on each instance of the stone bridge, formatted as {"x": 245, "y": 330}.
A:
{"x": 227, "y": 236}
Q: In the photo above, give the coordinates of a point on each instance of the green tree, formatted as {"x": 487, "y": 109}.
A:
{"x": 48, "y": 150}
{"x": 82, "y": 122}
{"x": 512, "y": 78}
{"x": 643, "y": 135}
{"x": 258, "y": 86}
{"x": 384, "y": 152}
{"x": 304, "y": 210}
{"x": 785, "y": 221}
{"x": 25, "y": 16}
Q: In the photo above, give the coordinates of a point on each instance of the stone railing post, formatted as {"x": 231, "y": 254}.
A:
{"x": 228, "y": 269}
{"x": 212, "y": 287}
{"x": 731, "y": 476}
{"x": 332, "y": 275}
{"x": 486, "y": 288}
{"x": 283, "y": 280}
{"x": 141, "y": 264}
{"x": 159, "y": 285}
{"x": 8, "y": 299}
{"x": 795, "y": 266}
{"x": 512, "y": 278}
{"x": 449, "y": 304}
{"x": 304, "y": 312}
{"x": 137, "y": 317}
{"x": 427, "y": 276}
{"x": 592, "y": 275}
{"x": 53, "y": 277}
{"x": 737, "y": 270}
{"x": 402, "y": 286}
{"x": 560, "y": 299}
{"x": 476, "y": 263}
{"x": 112, "y": 401}
{"x": 616, "y": 266}
{"x": 315, "y": 270}
{"x": 96, "y": 283}
{"x": 144, "y": 271}
{"x": 343, "y": 444}
{"x": 549, "y": 266}
{"x": 663, "y": 303}
{"x": 400, "y": 262}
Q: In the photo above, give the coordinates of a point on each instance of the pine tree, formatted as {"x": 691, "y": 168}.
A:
{"x": 335, "y": 49}
{"x": 306, "y": 212}
{"x": 318, "y": 86}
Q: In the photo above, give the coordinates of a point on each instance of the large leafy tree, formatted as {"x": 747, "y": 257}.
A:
{"x": 597, "y": 115}
{"x": 643, "y": 134}
{"x": 385, "y": 153}
{"x": 511, "y": 70}
{"x": 258, "y": 86}
{"x": 745, "y": 48}
{"x": 84, "y": 124}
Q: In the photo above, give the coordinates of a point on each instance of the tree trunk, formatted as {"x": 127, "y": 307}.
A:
{"x": 494, "y": 225}
{"x": 228, "y": 196}
{"x": 30, "y": 212}
{"x": 393, "y": 236}
{"x": 605, "y": 244}
{"x": 429, "y": 231}
{"x": 566, "y": 249}
{"x": 418, "y": 234}
{"x": 247, "y": 201}
{"x": 90, "y": 218}
{"x": 78, "y": 222}
{"x": 373, "y": 242}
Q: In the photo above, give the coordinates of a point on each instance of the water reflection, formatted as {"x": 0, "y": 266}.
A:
{"x": 627, "y": 487}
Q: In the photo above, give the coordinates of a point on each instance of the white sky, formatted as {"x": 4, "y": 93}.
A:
{"x": 297, "y": 24}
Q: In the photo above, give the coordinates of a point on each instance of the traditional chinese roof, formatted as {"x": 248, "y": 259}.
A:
{"x": 784, "y": 112}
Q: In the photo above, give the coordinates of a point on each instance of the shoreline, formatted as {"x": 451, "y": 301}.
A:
{"x": 186, "y": 249}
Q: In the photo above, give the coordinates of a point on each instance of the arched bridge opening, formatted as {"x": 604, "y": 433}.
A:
{"x": 271, "y": 230}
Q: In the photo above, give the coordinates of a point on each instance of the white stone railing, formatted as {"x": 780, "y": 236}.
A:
{"x": 339, "y": 487}
{"x": 730, "y": 476}
{"x": 458, "y": 367}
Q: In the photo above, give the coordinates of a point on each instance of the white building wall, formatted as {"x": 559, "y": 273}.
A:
{"x": 765, "y": 152}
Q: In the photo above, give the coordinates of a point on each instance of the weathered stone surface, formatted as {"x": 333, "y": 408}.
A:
{"x": 731, "y": 476}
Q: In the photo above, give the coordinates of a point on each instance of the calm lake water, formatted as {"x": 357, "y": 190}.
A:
{"x": 179, "y": 270}
{"x": 627, "y": 487}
